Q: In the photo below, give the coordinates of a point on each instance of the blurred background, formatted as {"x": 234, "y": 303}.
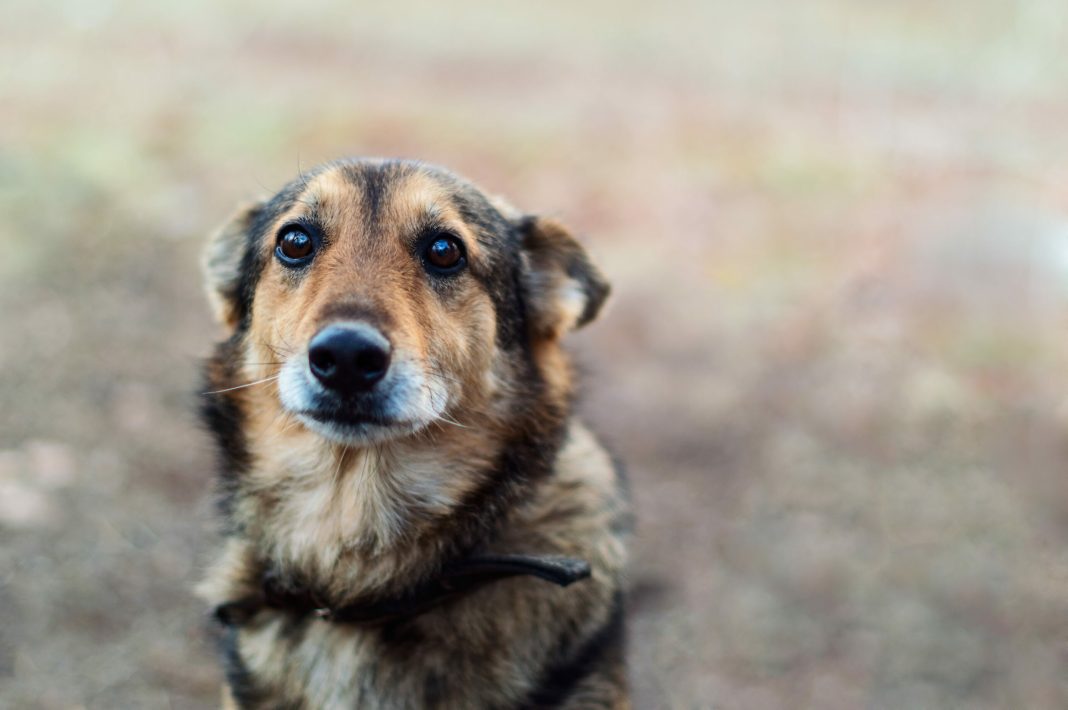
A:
{"x": 835, "y": 362}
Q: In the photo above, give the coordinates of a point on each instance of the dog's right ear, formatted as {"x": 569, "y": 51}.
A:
{"x": 222, "y": 262}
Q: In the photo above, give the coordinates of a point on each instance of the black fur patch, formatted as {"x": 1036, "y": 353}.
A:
{"x": 502, "y": 280}
{"x": 221, "y": 414}
{"x": 375, "y": 181}
{"x": 242, "y": 686}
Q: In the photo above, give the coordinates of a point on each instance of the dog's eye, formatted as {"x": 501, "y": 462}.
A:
{"x": 445, "y": 254}
{"x": 295, "y": 246}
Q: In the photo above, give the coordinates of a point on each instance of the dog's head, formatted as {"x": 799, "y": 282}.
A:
{"x": 384, "y": 294}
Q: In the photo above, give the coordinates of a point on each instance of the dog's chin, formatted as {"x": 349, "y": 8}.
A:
{"x": 357, "y": 431}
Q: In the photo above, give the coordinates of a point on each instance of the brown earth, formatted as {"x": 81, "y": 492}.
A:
{"x": 835, "y": 362}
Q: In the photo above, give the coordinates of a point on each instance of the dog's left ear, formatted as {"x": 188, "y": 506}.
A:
{"x": 564, "y": 290}
{"x": 222, "y": 262}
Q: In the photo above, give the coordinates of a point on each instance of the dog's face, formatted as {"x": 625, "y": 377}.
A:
{"x": 383, "y": 294}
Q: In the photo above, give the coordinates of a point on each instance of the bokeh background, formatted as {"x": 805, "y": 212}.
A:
{"x": 835, "y": 362}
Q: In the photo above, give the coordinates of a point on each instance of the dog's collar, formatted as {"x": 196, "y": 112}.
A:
{"x": 455, "y": 580}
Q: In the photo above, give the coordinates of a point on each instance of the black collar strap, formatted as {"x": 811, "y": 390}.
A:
{"x": 456, "y": 579}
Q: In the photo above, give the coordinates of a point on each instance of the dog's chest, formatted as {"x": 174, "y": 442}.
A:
{"x": 318, "y": 664}
{"x": 310, "y": 663}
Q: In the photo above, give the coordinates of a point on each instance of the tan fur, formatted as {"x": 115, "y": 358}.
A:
{"x": 367, "y": 520}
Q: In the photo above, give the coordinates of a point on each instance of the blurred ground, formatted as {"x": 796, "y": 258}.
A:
{"x": 835, "y": 362}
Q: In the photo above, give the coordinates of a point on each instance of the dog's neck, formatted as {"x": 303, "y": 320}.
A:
{"x": 455, "y": 580}
{"x": 354, "y": 523}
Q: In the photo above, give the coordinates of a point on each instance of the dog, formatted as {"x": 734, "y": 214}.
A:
{"x": 412, "y": 517}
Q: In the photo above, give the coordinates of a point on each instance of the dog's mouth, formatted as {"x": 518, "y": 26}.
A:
{"x": 365, "y": 412}
{"x": 399, "y": 405}
{"x": 343, "y": 417}
{"x": 353, "y": 427}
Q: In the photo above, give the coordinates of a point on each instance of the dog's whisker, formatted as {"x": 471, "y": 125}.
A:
{"x": 438, "y": 372}
{"x": 300, "y": 173}
{"x": 341, "y": 454}
{"x": 278, "y": 353}
{"x": 285, "y": 420}
{"x": 247, "y": 384}
{"x": 430, "y": 414}
{"x": 282, "y": 350}
{"x": 447, "y": 420}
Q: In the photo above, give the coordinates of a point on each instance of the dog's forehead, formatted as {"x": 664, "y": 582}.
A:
{"x": 380, "y": 196}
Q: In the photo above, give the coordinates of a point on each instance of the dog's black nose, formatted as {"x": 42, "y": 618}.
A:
{"x": 349, "y": 358}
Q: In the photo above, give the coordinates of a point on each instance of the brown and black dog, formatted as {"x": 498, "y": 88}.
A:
{"x": 407, "y": 498}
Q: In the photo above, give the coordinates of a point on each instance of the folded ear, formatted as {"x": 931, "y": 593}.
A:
{"x": 563, "y": 289}
{"x": 222, "y": 263}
